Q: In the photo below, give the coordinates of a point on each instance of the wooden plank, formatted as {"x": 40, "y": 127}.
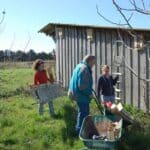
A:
{"x": 103, "y": 48}
{"x": 127, "y": 72}
{"x": 76, "y": 47}
{"x": 135, "y": 79}
{"x": 98, "y": 56}
{"x": 131, "y": 66}
{"x": 148, "y": 56}
{"x": 73, "y": 48}
{"x": 82, "y": 50}
{"x": 139, "y": 80}
{"x": 147, "y": 77}
{"x": 60, "y": 60}
{"x": 84, "y": 42}
{"x": 111, "y": 51}
{"x": 64, "y": 60}
{"x": 142, "y": 83}
{"x": 108, "y": 48}
{"x": 114, "y": 53}
{"x": 101, "y": 61}
{"x": 69, "y": 54}
{"x": 57, "y": 54}
{"x": 124, "y": 73}
{"x": 114, "y": 50}
{"x": 93, "y": 52}
{"x": 80, "y": 44}
{"x": 67, "y": 60}
{"x": 88, "y": 46}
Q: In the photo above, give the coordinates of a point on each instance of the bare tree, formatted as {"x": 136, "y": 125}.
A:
{"x": 141, "y": 7}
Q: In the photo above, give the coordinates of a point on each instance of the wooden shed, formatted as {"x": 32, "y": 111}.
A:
{"x": 129, "y": 56}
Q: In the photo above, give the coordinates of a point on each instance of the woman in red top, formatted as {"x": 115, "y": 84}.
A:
{"x": 41, "y": 77}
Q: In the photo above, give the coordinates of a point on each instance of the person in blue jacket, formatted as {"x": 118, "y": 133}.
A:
{"x": 80, "y": 88}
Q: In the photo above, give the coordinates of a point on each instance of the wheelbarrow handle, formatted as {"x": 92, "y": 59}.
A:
{"x": 97, "y": 102}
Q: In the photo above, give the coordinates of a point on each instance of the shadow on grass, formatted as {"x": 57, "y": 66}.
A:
{"x": 10, "y": 141}
{"x": 68, "y": 132}
{"x": 57, "y": 116}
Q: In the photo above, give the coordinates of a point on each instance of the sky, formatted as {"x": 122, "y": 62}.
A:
{"x": 24, "y": 18}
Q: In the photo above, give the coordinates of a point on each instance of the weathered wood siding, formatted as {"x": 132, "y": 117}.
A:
{"x": 74, "y": 45}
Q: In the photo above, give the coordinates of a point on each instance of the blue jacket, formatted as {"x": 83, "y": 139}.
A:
{"x": 81, "y": 83}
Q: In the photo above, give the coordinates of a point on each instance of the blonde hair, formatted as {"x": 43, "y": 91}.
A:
{"x": 105, "y": 67}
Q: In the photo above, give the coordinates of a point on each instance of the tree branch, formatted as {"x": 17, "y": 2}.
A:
{"x": 3, "y": 17}
{"x": 28, "y": 42}
{"x": 138, "y": 9}
{"x": 108, "y": 20}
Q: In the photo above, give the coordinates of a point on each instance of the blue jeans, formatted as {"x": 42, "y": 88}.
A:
{"x": 51, "y": 108}
{"x": 83, "y": 111}
{"x": 107, "y": 99}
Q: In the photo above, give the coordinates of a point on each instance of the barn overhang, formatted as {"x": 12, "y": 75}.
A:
{"x": 50, "y": 29}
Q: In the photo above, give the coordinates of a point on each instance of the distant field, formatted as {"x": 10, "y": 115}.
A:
{"x": 14, "y": 64}
{"x": 21, "y": 128}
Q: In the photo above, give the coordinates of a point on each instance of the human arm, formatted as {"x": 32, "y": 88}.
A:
{"x": 84, "y": 81}
{"x": 51, "y": 78}
{"x": 114, "y": 80}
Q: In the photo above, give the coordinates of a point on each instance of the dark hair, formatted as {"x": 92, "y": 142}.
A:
{"x": 37, "y": 63}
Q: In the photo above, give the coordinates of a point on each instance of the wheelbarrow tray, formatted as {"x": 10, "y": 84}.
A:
{"x": 98, "y": 143}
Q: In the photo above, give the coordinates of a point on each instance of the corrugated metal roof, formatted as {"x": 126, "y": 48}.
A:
{"x": 50, "y": 28}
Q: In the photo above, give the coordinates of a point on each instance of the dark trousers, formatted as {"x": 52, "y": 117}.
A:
{"x": 83, "y": 111}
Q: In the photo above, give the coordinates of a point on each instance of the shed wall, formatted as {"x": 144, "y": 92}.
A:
{"x": 74, "y": 45}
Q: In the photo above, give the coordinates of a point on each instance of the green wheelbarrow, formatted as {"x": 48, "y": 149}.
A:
{"x": 95, "y": 139}
{"x": 92, "y": 134}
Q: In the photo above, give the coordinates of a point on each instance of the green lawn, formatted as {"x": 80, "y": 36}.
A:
{"x": 22, "y": 128}
{"x": 13, "y": 80}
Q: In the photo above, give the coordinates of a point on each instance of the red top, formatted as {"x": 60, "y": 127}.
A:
{"x": 40, "y": 77}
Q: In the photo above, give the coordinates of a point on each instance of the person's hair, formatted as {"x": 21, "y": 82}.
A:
{"x": 105, "y": 67}
{"x": 37, "y": 63}
{"x": 89, "y": 58}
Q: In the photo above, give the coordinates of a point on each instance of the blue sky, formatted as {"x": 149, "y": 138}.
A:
{"x": 25, "y": 17}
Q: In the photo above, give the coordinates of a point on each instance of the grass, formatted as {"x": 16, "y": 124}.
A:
{"x": 20, "y": 124}
{"x": 13, "y": 80}
{"x": 22, "y": 128}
